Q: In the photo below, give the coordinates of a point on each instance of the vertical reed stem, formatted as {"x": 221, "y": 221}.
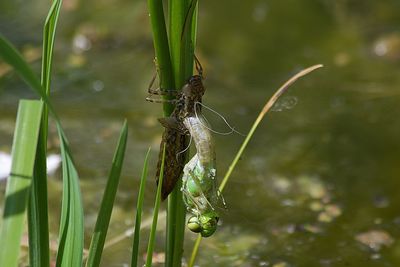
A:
{"x": 175, "y": 65}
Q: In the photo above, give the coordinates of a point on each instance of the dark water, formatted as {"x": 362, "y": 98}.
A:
{"x": 318, "y": 184}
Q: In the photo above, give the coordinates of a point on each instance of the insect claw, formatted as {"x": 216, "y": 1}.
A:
{"x": 199, "y": 68}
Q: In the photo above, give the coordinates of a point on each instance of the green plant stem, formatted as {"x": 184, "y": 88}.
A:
{"x": 38, "y": 224}
{"x": 174, "y": 69}
{"x": 181, "y": 41}
{"x": 177, "y": 9}
{"x": 262, "y": 114}
{"x": 166, "y": 76}
{"x": 139, "y": 207}
{"x": 161, "y": 47}
{"x": 150, "y": 246}
{"x": 71, "y": 233}
{"x": 182, "y": 29}
{"x": 195, "y": 250}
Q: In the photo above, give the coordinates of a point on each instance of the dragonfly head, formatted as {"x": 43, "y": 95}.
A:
{"x": 205, "y": 224}
{"x": 194, "y": 224}
{"x": 195, "y": 85}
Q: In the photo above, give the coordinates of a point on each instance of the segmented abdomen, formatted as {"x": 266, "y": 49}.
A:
{"x": 203, "y": 141}
{"x": 174, "y": 160}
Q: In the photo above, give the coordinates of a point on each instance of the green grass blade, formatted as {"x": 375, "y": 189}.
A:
{"x": 167, "y": 73}
{"x": 38, "y": 224}
{"x": 177, "y": 14}
{"x": 12, "y": 57}
{"x": 175, "y": 227}
{"x": 49, "y": 33}
{"x": 195, "y": 250}
{"x": 71, "y": 226}
{"x": 138, "y": 219}
{"x": 18, "y": 185}
{"x": 188, "y": 40}
{"x": 150, "y": 247}
{"x": 253, "y": 128}
{"x": 188, "y": 44}
{"x": 103, "y": 218}
{"x": 71, "y": 236}
{"x": 182, "y": 23}
{"x": 161, "y": 47}
{"x": 15, "y": 59}
{"x": 195, "y": 16}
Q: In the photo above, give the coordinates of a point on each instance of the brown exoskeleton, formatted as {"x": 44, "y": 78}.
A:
{"x": 175, "y": 133}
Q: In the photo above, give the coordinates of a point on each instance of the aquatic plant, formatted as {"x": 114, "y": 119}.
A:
{"x": 174, "y": 52}
{"x": 29, "y": 173}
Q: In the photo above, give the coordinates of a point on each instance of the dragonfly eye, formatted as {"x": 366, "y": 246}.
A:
{"x": 208, "y": 229}
{"x": 209, "y": 222}
{"x": 194, "y": 225}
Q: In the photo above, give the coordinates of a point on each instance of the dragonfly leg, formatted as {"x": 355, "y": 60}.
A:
{"x": 194, "y": 201}
{"x": 162, "y": 92}
{"x": 160, "y": 100}
{"x": 199, "y": 68}
{"x": 152, "y": 82}
{"x": 159, "y": 91}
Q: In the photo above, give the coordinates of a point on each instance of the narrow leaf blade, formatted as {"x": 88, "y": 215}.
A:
{"x": 139, "y": 207}
{"x": 18, "y": 185}
{"x": 70, "y": 250}
{"x": 38, "y": 224}
{"x": 150, "y": 247}
{"x": 12, "y": 57}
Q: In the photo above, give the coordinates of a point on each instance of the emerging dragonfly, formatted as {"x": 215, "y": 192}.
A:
{"x": 199, "y": 182}
{"x": 175, "y": 133}
{"x": 199, "y": 186}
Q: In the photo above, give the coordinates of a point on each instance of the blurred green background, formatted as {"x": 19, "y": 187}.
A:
{"x": 318, "y": 184}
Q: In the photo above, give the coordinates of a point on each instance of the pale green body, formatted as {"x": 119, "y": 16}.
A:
{"x": 199, "y": 185}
